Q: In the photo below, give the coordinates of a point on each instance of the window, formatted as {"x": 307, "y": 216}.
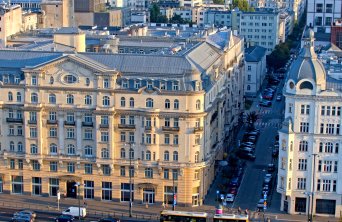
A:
{"x": 166, "y": 156}
{"x": 52, "y": 98}
{"x": 131, "y": 120}
{"x": 104, "y": 120}
{"x": 326, "y": 185}
{"x": 327, "y": 166}
{"x": 36, "y": 185}
{"x": 196, "y": 175}
{"x": 198, "y": 105}
{"x": 88, "y": 100}
{"x": 148, "y": 155}
{"x": 335, "y": 166}
{"x": 70, "y": 79}
{"x": 70, "y": 133}
{"x": 88, "y": 189}
{"x": 53, "y": 166}
{"x": 167, "y": 122}
{"x": 126, "y": 193}
{"x": 88, "y": 151}
{"x": 34, "y": 80}
{"x": 175, "y": 139}
{"x": 52, "y": 116}
{"x": 283, "y": 163}
{"x": 10, "y": 96}
{"x": 175, "y": 174}
{"x": 87, "y": 81}
{"x": 197, "y": 139}
{"x": 197, "y": 157}
{"x": 106, "y": 170}
{"x": 17, "y": 184}
{"x": 34, "y": 98}
{"x": 149, "y": 103}
{"x": 70, "y": 99}
{"x": 122, "y": 171}
{"x": 175, "y": 86}
{"x": 11, "y": 130}
{"x": 20, "y": 147}
{"x": 18, "y": 97}
{"x": 175, "y": 156}
{"x": 304, "y": 127}
{"x": 166, "y": 174}
{"x": 167, "y": 139}
{"x": 302, "y": 164}
{"x": 88, "y": 118}
{"x": 319, "y": 7}
{"x": 88, "y": 168}
{"x": 106, "y": 101}
{"x": 88, "y": 134}
{"x": 10, "y": 113}
{"x": 35, "y": 165}
{"x": 131, "y": 136}
{"x": 328, "y": 148}
{"x": 71, "y": 149}
{"x": 52, "y": 80}
{"x": 148, "y": 173}
{"x": 12, "y": 146}
{"x": 329, "y": 128}
{"x": 33, "y": 116}
{"x": 123, "y": 102}
{"x": 71, "y": 167}
{"x": 12, "y": 164}
{"x": 149, "y": 85}
{"x": 106, "y": 190}
{"x": 301, "y": 183}
{"x": 176, "y": 122}
{"x": 176, "y": 104}
{"x": 105, "y": 153}
{"x": 33, "y": 149}
{"x": 53, "y": 149}
{"x": 106, "y": 83}
{"x": 137, "y": 84}
{"x": 305, "y": 109}
{"x": 167, "y": 104}
{"x": 53, "y": 186}
{"x": 131, "y": 102}
{"x": 122, "y": 153}
{"x": 169, "y": 192}
{"x": 303, "y": 146}
{"x": 123, "y": 136}
{"x": 104, "y": 136}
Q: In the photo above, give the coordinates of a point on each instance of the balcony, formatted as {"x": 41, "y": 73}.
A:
{"x": 104, "y": 125}
{"x": 126, "y": 126}
{"x": 31, "y": 121}
{"x": 170, "y": 129}
{"x": 88, "y": 124}
{"x": 14, "y": 120}
{"x": 69, "y": 123}
{"x": 198, "y": 129}
{"x": 51, "y": 122}
{"x": 148, "y": 128}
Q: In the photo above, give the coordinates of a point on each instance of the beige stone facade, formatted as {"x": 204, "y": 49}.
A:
{"x": 73, "y": 119}
{"x": 10, "y": 22}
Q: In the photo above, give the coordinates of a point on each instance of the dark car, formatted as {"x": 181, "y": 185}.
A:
{"x": 109, "y": 220}
{"x": 275, "y": 152}
{"x": 265, "y": 103}
{"x": 246, "y": 156}
{"x": 64, "y": 218}
{"x": 233, "y": 190}
{"x": 234, "y": 182}
{"x": 271, "y": 168}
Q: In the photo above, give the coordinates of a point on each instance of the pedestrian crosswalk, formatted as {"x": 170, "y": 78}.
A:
{"x": 265, "y": 111}
{"x": 267, "y": 124}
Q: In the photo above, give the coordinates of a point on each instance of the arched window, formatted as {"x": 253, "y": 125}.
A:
{"x": 123, "y": 153}
{"x": 105, "y": 101}
{"x": 18, "y": 96}
{"x": 149, "y": 103}
{"x": 20, "y": 147}
{"x": 34, "y": 98}
{"x": 122, "y": 102}
{"x": 105, "y": 153}
{"x": 87, "y": 81}
{"x": 33, "y": 149}
{"x": 198, "y": 104}
{"x": 328, "y": 147}
{"x": 52, "y": 98}
{"x": 131, "y": 102}
{"x": 12, "y": 146}
{"x": 51, "y": 80}
{"x": 88, "y": 151}
{"x": 176, "y": 104}
{"x": 303, "y": 146}
{"x": 306, "y": 85}
{"x": 131, "y": 153}
{"x": 167, "y": 104}
{"x": 70, "y": 99}
{"x": 71, "y": 149}
{"x": 53, "y": 148}
{"x": 175, "y": 156}
{"x": 197, "y": 157}
{"x": 166, "y": 156}
{"x": 88, "y": 100}
{"x": 10, "y": 96}
{"x": 148, "y": 155}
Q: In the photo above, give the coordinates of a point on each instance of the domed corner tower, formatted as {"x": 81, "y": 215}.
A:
{"x": 307, "y": 74}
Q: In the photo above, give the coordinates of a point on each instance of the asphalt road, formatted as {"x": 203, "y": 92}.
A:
{"x": 251, "y": 186}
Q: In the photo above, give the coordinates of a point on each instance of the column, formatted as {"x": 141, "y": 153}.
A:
{"x": 79, "y": 134}
{"x": 40, "y": 134}
{"x": 61, "y": 132}
{"x": 112, "y": 141}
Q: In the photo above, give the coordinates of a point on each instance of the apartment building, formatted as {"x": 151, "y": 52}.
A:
{"x": 310, "y": 158}
{"x": 260, "y": 28}
{"x": 10, "y": 22}
{"x": 321, "y": 14}
{"x": 68, "y": 118}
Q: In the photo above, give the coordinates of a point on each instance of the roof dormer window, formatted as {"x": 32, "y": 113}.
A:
{"x": 124, "y": 84}
{"x": 149, "y": 84}
{"x": 162, "y": 85}
{"x": 175, "y": 86}
{"x": 137, "y": 84}
{"x": 5, "y": 79}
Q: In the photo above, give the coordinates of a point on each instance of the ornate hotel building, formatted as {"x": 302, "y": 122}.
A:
{"x": 310, "y": 160}
{"x": 80, "y": 117}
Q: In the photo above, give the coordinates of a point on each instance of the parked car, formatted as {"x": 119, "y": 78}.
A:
{"x": 265, "y": 103}
{"x": 247, "y": 144}
{"x": 247, "y": 150}
{"x": 278, "y": 97}
{"x": 22, "y": 218}
{"x": 275, "y": 152}
{"x": 75, "y": 211}
{"x": 230, "y": 198}
{"x": 234, "y": 182}
{"x": 260, "y": 204}
{"x": 233, "y": 190}
{"x": 26, "y": 212}
{"x": 271, "y": 168}
{"x": 246, "y": 156}
{"x": 109, "y": 220}
{"x": 64, "y": 218}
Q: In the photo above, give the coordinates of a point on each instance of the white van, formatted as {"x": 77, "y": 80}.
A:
{"x": 74, "y": 211}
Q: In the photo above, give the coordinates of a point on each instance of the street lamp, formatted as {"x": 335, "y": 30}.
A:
{"x": 78, "y": 185}
{"x": 131, "y": 144}
{"x": 308, "y": 194}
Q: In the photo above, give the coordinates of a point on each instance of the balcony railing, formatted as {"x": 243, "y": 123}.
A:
{"x": 148, "y": 128}
{"x": 88, "y": 124}
{"x": 14, "y": 120}
{"x": 168, "y": 128}
{"x": 69, "y": 123}
{"x": 126, "y": 126}
{"x": 51, "y": 122}
{"x": 198, "y": 129}
{"x": 104, "y": 125}
{"x": 32, "y": 121}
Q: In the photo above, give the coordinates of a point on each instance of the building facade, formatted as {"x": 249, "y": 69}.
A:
{"x": 84, "y": 117}
{"x": 309, "y": 169}
{"x": 10, "y": 22}
{"x": 321, "y": 14}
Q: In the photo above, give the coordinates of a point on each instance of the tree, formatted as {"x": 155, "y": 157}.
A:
{"x": 155, "y": 15}
{"x": 219, "y": 2}
{"x": 252, "y": 117}
{"x": 242, "y": 5}
{"x": 279, "y": 56}
{"x": 177, "y": 19}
